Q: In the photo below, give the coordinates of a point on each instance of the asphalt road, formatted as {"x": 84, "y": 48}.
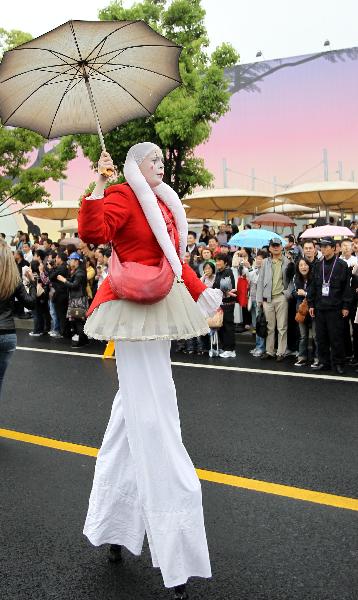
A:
{"x": 297, "y": 431}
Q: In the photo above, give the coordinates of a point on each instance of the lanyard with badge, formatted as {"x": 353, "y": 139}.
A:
{"x": 326, "y": 284}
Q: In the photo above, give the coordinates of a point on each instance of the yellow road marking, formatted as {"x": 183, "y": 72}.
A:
{"x": 213, "y": 476}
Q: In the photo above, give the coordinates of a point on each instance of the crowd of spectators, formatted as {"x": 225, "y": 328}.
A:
{"x": 306, "y": 290}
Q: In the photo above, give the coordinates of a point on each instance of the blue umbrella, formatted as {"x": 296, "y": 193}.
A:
{"x": 254, "y": 238}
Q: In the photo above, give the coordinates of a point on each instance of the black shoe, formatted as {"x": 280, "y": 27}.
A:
{"x": 115, "y": 553}
{"x": 340, "y": 370}
{"x": 280, "y": 358}
{"x": 266, "y": 356}
{"x": 321, "y": 367}
{"x": 80, "y": 344}
{"x": 180, "y": 592}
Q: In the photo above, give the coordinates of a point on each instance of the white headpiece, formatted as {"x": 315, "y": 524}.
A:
{"x": 147, "y": 200}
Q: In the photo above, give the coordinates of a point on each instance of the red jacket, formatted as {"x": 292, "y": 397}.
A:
{"x": 119, "y": 218}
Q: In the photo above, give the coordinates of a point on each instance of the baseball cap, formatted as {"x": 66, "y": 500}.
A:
{"x": 327, "y": 241}
{"x": 75, "y": 256}
{"x": 275, "y": 242}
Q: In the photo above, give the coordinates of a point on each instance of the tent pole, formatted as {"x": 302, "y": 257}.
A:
{"x": 327, "y": 214}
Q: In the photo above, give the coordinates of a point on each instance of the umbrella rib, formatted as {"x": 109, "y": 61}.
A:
{"x": 74, "y": 37}
{"x": 59, "y": 104}
{"x": 54, "y": 52}
{"x": 103, "y": 41}
{"x": 43, "y": 69}
{"x": 123, "y": 88}
{"x": 29, "y": 96}
{"x": 140, "y": 46}
{"x": 141, "y": 68}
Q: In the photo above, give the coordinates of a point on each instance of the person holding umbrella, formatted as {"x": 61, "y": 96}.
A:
{"x": 144, "y": 480}
{"x": 329, "y": 299}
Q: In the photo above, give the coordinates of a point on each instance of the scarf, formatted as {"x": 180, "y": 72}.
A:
{"x": 147, "y": 199}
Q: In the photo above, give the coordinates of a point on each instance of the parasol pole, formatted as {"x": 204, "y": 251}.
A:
{"x": 104, "y": 172}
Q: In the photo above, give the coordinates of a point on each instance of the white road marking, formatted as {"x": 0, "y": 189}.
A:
{"x": 215, "y": 367}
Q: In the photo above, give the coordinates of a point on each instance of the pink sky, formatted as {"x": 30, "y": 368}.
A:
{"x": 280, "y": 131}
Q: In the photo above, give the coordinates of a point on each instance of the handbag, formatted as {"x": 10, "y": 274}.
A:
{"x": 302, "y": 312}
{"x": 216, "y": 321}
{"x": 261, "y": 324}
{"x": 141, "y": 283}
{"x": 77, "y": 313}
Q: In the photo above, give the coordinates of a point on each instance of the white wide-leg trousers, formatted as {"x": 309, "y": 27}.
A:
{"x": 144, "y": 479}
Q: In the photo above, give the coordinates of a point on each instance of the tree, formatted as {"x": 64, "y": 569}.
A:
{"x": 22, "y": 177}
{"x": 184, "y": 118}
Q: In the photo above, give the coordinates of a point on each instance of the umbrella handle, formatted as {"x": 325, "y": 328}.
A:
{"x": 105, "y": 172}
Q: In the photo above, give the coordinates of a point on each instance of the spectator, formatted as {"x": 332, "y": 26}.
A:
{"x": 302, "y": 280}
{"x": 225, "y": 249}
{"x": 224, "y": 280}
{"x": 40, "y": 312}
{"x": 222, "y": 234}
{"x": 213, "y": 246}
{"x": 273, "y": 292}
{"x": 192, "y": 248}
{"x": 205, "y": 256}
{"x": 329, "y": 299}
{"x": 91, "y": 273}
{"x": 347, "y": 253}
{"x": 27, "y": 253}
{"x": 60, "y": 295}
{"x": 78, "y": 301}
{"x": 209, "y": 273}
{"x": 354, "y": 287}
{"x": 253, "y": 277}
{"x": 310, "y": 251}
{"x": 212, "y": 232}
{"x": 355, "y": 246}
{"x": 204, "y": 236}
{"x": 11, "y": 287}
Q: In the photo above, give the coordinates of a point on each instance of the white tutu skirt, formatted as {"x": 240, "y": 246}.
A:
{"x": 177, "y": 317}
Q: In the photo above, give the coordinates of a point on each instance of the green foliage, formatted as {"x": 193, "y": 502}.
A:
{"x": 22, "y": 175}
{"x": 183, "y": 119}
{"x": 11, "y": 39}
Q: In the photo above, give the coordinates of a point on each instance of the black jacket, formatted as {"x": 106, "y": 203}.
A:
{"x": 7, "y": 306}
{"x": 340, "y": 294}
{"x": 77, "y": 284}
{"x": 219, "y": 283}
{"x": 61, "y": 289}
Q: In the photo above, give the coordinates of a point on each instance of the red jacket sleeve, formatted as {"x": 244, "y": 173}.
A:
{"x": 193, "y": 283}
{"x": 99, "y": 220}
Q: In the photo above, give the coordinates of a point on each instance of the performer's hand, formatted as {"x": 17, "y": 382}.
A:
{"x": 311, "y": 311}
{"x": 232, "y": 293}
{"x": 105, "y": 165}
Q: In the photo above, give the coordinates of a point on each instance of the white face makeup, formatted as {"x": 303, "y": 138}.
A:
{"x": 152, "y": 168}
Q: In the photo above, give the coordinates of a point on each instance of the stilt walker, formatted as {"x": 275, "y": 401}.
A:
{"x": 144, "y": 479}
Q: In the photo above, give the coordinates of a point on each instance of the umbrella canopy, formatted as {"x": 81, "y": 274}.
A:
{"x": 274, "y": 219}
{"x": 84, "y": 73}
{"x": 339, "y": 195}
{"x": 62, "y": 210}
{"x": 224, "y": 203}
{"x": 75, "y": 241}
{"x": 254, "y": 238}
{"x": 327, "y": 231}
{"x": 293, "y": 210}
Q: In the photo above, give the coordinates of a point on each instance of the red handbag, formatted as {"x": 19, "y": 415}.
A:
{"x": 141, "y": 283}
